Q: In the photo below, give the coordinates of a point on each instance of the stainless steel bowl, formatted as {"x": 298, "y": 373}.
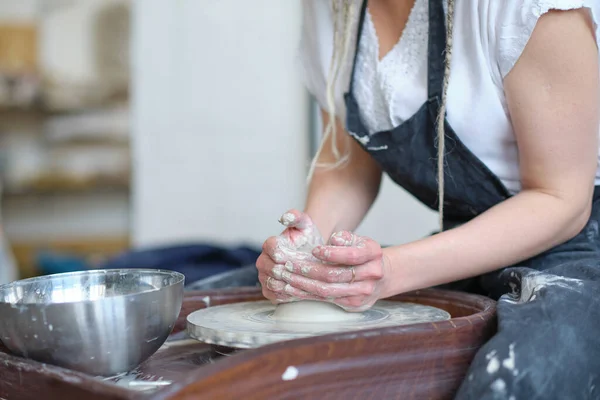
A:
{"x": 100, "y": 322}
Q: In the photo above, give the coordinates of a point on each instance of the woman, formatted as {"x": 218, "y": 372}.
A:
{"x": 513, "y": 171}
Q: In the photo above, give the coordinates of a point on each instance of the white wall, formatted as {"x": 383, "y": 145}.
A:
{"x": 18, "y": 11}
{"x": 220, "y": 119}
{"x": 221, "y": 127}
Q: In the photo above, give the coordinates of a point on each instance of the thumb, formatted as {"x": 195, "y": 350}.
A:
{"x": 296, "y": 219}
{"x": 300, "y": 221}
{"x": 345, "y": 238}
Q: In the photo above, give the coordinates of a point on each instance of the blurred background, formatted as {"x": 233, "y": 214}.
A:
{"x": 153, "y": 133}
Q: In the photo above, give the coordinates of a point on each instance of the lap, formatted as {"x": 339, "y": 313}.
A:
{"x": 548, "y": 340}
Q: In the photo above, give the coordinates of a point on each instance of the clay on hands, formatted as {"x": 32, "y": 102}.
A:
{"x": 295, "y": 243}
{"x": 295, "y": 246}
{"x": 349, "y": 272}
{"x": 296, "y": 266}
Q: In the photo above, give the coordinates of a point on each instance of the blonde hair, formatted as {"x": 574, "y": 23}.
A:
{"x": 344, "y": 14}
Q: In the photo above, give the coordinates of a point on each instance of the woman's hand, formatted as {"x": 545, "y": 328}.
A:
{"x": 300, "y": 232}
{"x": 295, "y": 242}
{"x": 349, "y": 271}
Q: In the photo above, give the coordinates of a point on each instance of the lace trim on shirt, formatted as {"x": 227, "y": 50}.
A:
{"x": 377, "y": 83}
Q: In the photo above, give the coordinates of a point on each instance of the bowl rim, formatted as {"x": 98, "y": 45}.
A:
{"x": 179, "y": 279}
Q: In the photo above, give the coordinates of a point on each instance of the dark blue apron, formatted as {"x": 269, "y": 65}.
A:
{"x": 548, "y": 340}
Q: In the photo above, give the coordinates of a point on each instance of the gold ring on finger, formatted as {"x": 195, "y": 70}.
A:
{"x": 353, "y": 275}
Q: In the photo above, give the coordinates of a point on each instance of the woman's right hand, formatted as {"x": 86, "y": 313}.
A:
{"x": 295, "y": 242}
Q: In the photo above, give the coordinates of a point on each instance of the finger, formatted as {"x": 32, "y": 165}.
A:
{"x": 268, "y": 268}
{"x": 291, "y": 294}
{"x": 270, "y": 246}
{"x": 299, "y": 294}
{"x": 276, "y": 248}
{"x": 319, "y": 271}
{"x": 345, "y": 238}
{"x": 327, "y": 290}
{"x": 264, "y": 263}
{"x": 296, "y": 219}
{"x": 355, "y": 303}
{"x": 302, "y": 222}
{"x": 275, "y": 285}
{"x": 298, "y": 239}
{"x": 282, "y": 292}
{"x": 348, "y": 255}
{"x": 278, "y": 297}
{"x": 274, "y": 297}
{"x": 268, "y": 294}
{"x": 331, "y": 273}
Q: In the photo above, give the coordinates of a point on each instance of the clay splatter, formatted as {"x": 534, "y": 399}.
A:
{"x": 290, "y": 373}
{"x": 287, "y": 219}
{"x": 498, "y": 386}
{"x": 509, "y": 363}
{"x": 493, "y": 366}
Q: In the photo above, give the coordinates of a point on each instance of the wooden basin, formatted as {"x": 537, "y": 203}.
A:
{"x": 418, "y": 361}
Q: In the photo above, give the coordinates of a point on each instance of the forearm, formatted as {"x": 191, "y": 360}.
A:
{"x": 337, "y": 202}
{"x": 338, "y": 198}
{"x": 514, "y": 230}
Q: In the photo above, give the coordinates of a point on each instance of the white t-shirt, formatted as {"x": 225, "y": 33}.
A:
{"x": 489, "y": 37}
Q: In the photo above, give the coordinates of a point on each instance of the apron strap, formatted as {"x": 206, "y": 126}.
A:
{"x": 361, "y": 23}
{"x": 436, "y": 49}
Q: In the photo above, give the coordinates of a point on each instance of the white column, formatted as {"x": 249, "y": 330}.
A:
{"x": 220, "y": 117}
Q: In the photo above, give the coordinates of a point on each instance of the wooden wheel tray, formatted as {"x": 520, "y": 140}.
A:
{"x": 427, "y": 360}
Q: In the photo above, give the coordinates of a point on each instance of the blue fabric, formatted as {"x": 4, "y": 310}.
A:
{"x": 195, "y": 261}
{"x": 49, "y": 263}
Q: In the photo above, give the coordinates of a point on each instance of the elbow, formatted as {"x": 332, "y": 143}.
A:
{"x": 570, "y": 212}
{"x": 579, "y": 216}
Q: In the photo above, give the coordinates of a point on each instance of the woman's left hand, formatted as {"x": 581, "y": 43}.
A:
{"x": 350, "y": 271}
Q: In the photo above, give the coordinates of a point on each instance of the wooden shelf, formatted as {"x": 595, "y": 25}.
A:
{"x": 25, "y": 252}
{"x": 69, "y": 188}
{"x": 46, "y": 112}
{"x": 67, "y": 192}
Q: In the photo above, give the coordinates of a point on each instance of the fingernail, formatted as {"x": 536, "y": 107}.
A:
{"x": 277, "y": 270}
{"x": 287, "y": 219}
{"x": 289, "y": 266}
{"x": 287, "y": 288}
{"x": 278, "y": 257}
{"x": 321, "y": 252}
{"x": 340, "y": 241}
{"x": 337, "y": 240}
{"x": 286, "y": 276}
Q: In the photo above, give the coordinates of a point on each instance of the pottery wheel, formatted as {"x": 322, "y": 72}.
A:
{"x": 256, "y": 323}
